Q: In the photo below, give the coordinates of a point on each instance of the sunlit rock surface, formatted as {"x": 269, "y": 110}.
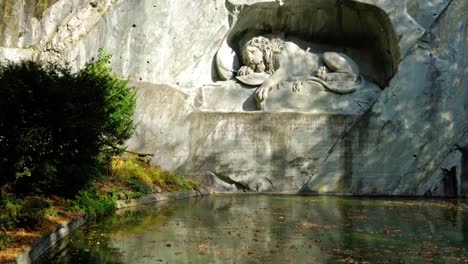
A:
{"x": 406, "y": 137}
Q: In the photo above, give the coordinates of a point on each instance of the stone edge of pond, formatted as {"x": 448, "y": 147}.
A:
{"x": 156, "y": 197}
{"x": 350, "y": 195}
{"x": 49, "y": 239}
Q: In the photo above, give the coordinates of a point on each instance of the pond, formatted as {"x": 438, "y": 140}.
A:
{"x": 274, "y": 229}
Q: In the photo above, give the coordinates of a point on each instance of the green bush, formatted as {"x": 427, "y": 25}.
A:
{"x": 59, "y": 129}
{"x": 94, "y": 202}
{"x": 138, "y": 186}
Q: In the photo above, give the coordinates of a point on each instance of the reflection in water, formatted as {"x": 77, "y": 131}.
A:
{"x": 274, "y": 229}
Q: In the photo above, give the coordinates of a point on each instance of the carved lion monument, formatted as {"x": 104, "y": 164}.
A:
{"x": 270, "y": 62}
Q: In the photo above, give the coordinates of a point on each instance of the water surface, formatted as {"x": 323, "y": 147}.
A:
{"x": 274, "y": 229}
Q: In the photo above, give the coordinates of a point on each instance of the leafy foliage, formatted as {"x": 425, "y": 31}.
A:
{"x": 58, "y": 129}
{"x": 5, "y": 240}
{"x": 29, "y": 212}
{"x": 94, "y": 202}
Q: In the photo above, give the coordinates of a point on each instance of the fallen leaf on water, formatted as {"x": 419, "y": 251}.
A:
{"x": 202, "y": 249}
{"x": 386, "y": 231}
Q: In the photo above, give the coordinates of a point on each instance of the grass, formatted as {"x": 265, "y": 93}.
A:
{"x": 140, "y": 175}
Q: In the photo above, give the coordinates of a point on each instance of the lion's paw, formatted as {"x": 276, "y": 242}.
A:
{"x": 262, "y": 93}
{"x": 244, "y": 70}
{"x": 297, "y": 86}
{"x": 322, "y": 73}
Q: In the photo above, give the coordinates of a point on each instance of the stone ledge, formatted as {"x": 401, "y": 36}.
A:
{"x": 60, "y": 231}
{"x": 49, "y": 239}
{"x": 230, "y": 96}
{"x": 152, "y": 198}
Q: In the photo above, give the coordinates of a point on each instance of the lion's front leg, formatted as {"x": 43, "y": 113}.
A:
{"x": 262, "y": 92}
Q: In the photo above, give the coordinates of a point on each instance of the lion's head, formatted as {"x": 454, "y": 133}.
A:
{"x": 260, "y": 54}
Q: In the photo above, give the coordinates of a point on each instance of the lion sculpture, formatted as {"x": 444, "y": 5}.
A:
{"x": 269, "y": 62}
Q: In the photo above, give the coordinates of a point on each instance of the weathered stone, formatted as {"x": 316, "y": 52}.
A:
{"x": 156, "y": 189}
{"x": 227, "y": 62}
{"x": 245, "y": 148}
{"x": 160, "y": 120}
{"x": 49, "y": 239}
{"x": 15, "y": 54}
{"x": 225, "y": 97}
{"x": 312, "y": 98}
{"x": 156, "y": 197}
{"x": 315, "y": 98}
{"x": 196, "y": 125}
{"x": 426, "y": 12}
{"x": 152, "y": 51}
{"x": 447, "y": 180}
{"x": 416, "y": 121}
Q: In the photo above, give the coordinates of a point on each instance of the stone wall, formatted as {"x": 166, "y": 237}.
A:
{"x": 408, "y": 137}
{"x": 20, "y": 21}
{"x": 151, "y": 43}
{"x": 417, "y": 129}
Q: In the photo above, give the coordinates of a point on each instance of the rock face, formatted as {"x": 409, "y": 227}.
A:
{"x": 406, "y": 133}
